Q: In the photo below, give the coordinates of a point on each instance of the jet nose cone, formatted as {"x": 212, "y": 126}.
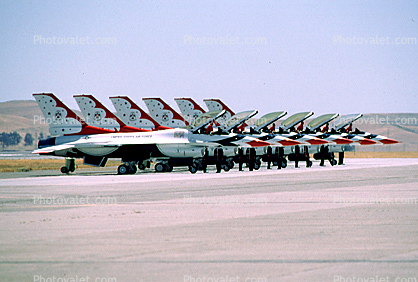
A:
{"x": 258, "y": 143}
{"x": 289, "y": 142}
{"x": 387, "y": 141}
{"x": 342, "y": 141}
{"x": 317, "y": 141}
{"x": 367, "y": 142}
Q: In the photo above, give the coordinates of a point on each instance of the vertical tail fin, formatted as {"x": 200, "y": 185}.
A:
{"x": 61, "y": 119}
{"x": 163, "y": 113}
{"x": 133, "y": 115}
{"x": 98, "y": 115}
{"x": 218, "y": 105}
{"x": 189, "y": 109}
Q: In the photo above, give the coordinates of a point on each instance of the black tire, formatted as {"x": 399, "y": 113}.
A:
{"x": 141, "y": 166}
{"x": 192, "y": 169}
{"x": 257, "y": 165}
{"x": 309, "y": 163}
{"x": 283, "y": 163}
{"x": 226, "y": 168}
{"x": 123, "y": 169}
{"x": 230, "y": 164}
{"x": 132, "y": 169}
{"x": 64, "y": 169}
{"x": 168, "y": 168}
{"x": 159, "y": 167}
{"x": 333, "y": 162}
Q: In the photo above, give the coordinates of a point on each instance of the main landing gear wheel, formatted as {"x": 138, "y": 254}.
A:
{"x": 192, "y": 169}
{"x": 132, "y": 169}
{"x": 226, "y": 168}
{"x": 168, "y": 168}
{"x": 64, "y": 169}
{"x": 257, "y": 164}
{"x": 159, "y": 167}
{"x": 333, "y": 162}
{"x": 123, "y": 169}
{"x": 283, "y": 163}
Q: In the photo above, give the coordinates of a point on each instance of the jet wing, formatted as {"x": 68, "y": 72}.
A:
{"x": 268, "y": 119}
{"x": 295, "y": 119}
{"x": 206, "y": 118}
{"x": 343, "y": 121}
{"x": 320, "y": 121}
{"x": 239, "y": 119}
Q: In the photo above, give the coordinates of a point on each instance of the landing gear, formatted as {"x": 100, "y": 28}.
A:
{"x": 192, "y": 168}
{"x": 69, "y": 166}
{"x": 163, "y": 167}
{"x": 257, "y": 164}
{"x": 123, "y": 169}
{"x": 168, "y": 168}
{"x": 283, "y": 164}
{"x": 323, "y": 155}
{"x": 132, "y": 169}
{"x": 127, "y": 168}
{"x": 230, "y": 163}
{"x": 159, "y": 167}
{"x": 301, "y": 156}
{"x": 143, "y": 165}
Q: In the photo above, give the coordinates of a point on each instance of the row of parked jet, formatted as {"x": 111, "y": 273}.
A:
{"x": 195, "y": 139}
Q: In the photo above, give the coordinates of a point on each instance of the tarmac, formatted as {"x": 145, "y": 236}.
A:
{"x": 357, "y": 222}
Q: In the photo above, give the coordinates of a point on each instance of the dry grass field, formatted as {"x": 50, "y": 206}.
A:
{"x": 44, "y": 164}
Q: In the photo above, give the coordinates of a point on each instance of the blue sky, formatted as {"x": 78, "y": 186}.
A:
{"x": 264, "y": 55}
